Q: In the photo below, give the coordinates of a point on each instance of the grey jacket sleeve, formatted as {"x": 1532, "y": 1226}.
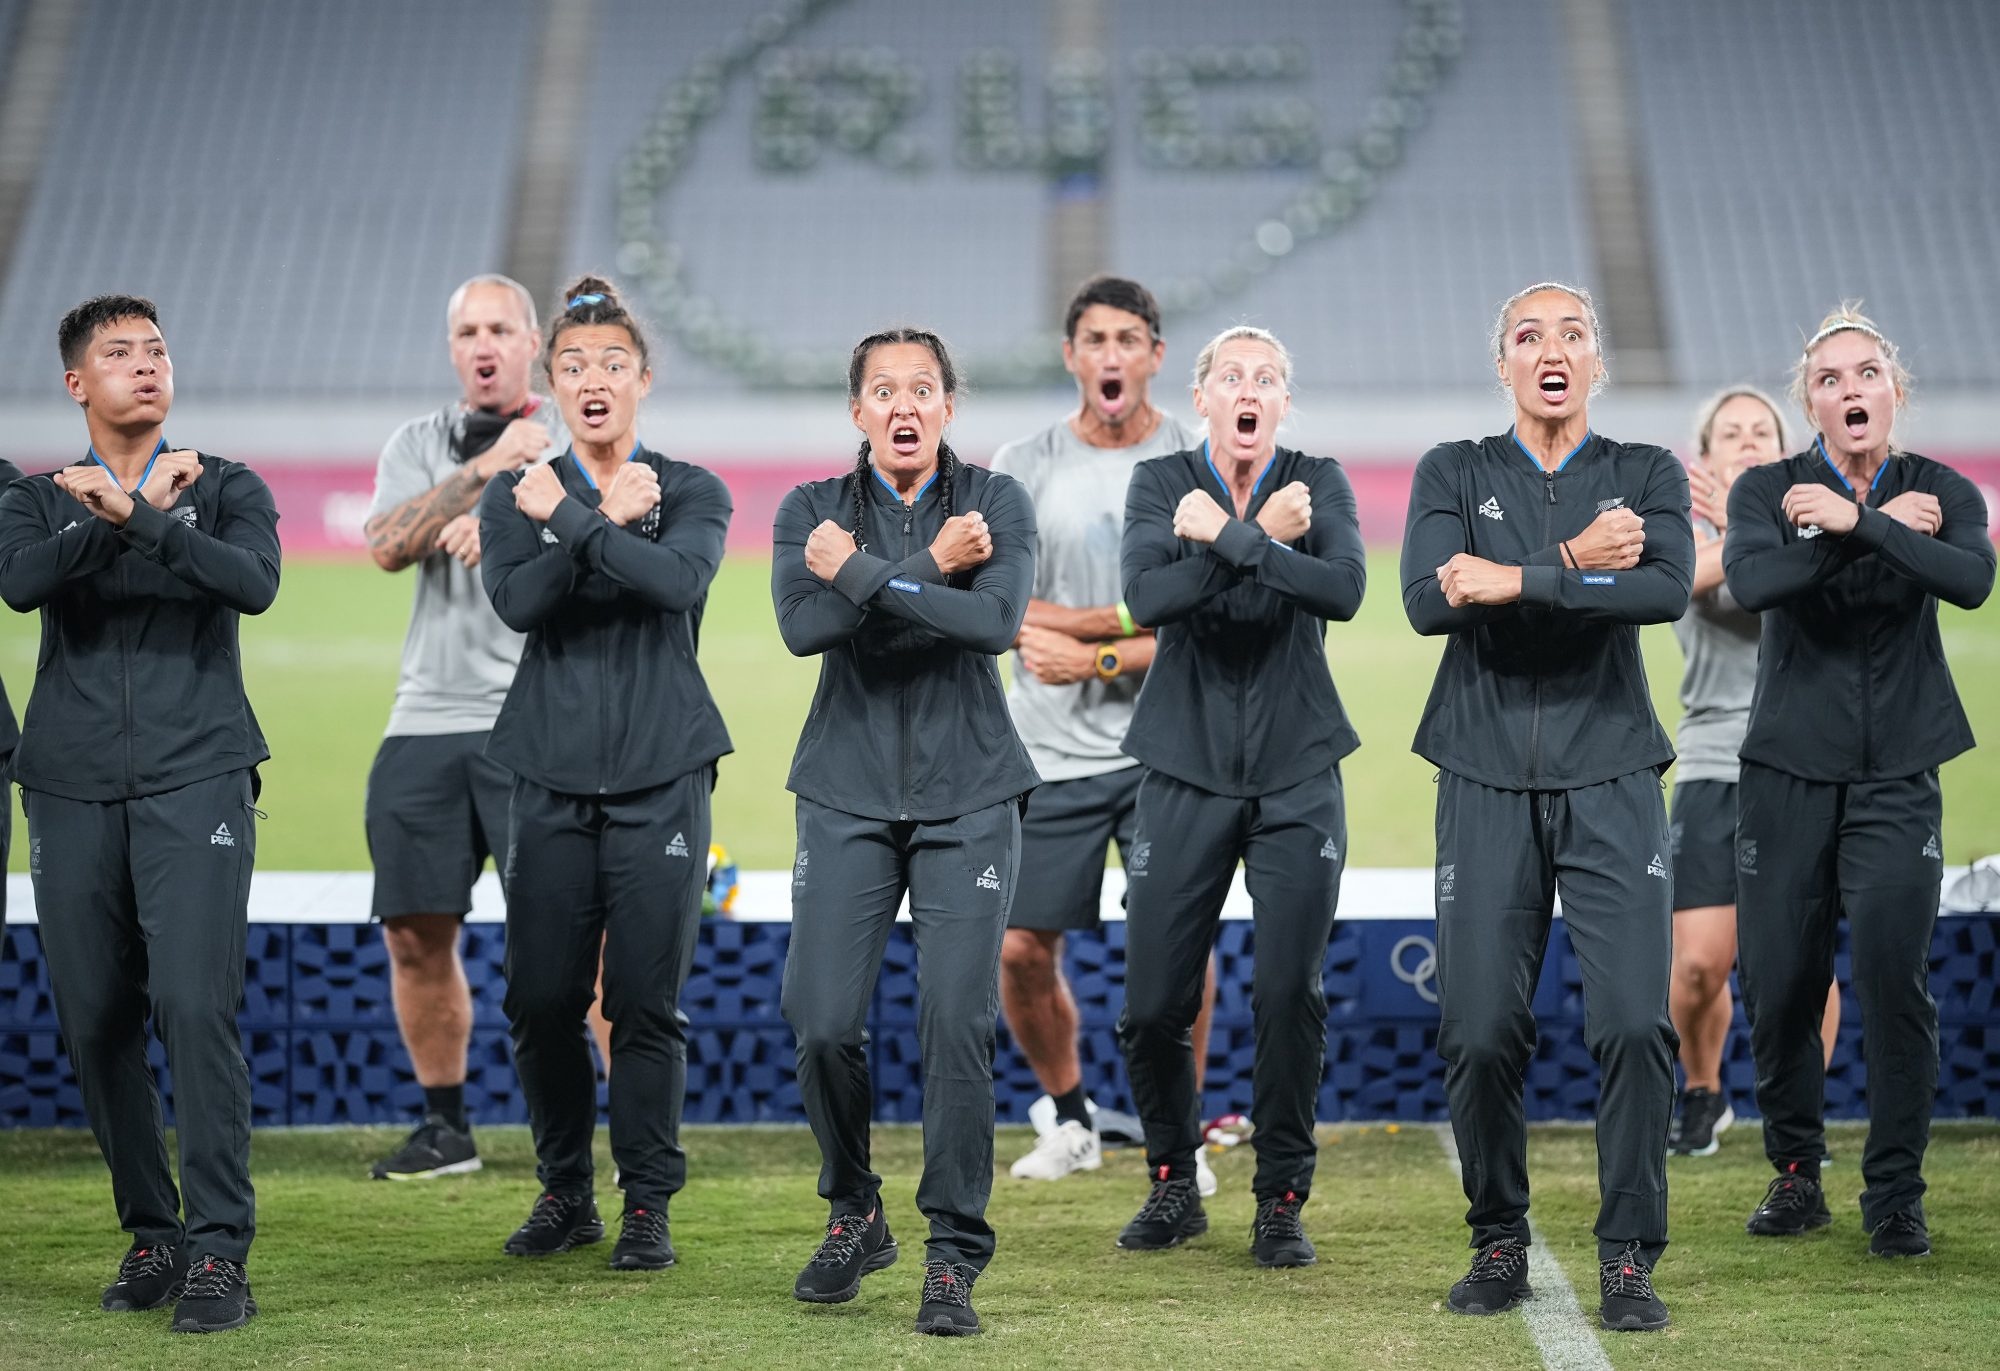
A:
{"x": 987, "y": 615}
{"x": 671, "y": 574}
{"x": 35, "y": 561}
{"x": 1653, "y": 592}
{"x": 526, "y": 578}
{"x": 1329, "y": 574}
{"x": 236, "y": 563}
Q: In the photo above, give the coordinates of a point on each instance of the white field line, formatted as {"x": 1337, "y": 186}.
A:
{"x": 1564, "y": 1336}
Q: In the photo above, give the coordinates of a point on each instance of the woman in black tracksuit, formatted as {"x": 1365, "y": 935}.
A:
{"x": 1539, "y": 552}
{"x": 1240, "y": 553}
{"x": 1846, "y": 549}
{"x": 603, "y": 557}
{"x": 907, "y": 577}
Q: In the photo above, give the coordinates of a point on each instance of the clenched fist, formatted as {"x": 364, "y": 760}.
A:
{"x": 1613, "y": 542}
{"x": 1288, "y": 513}
{"x": 539, "y": 492}
{"x": 634, "y": 491}
{"x": 963, "y": 542}
{"x": 828, "y": 549}
{"x": 1808, "y": 504}
{"x": 173, "y": 472}
{"x": 1913, "y": 509}
{"x": 1469, "y": 580}
{"x": 1198, "y": 518}
{"x": 98, "y": 491}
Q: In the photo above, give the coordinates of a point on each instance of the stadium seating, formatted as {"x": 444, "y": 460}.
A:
{"x": 297, "y": 186}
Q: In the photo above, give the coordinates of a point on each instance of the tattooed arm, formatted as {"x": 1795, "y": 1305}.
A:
{"x": 407, "y": 532}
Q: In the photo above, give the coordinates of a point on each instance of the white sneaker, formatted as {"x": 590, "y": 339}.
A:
{"x": 1069, "y": 1147}
{"x": 1204, "y": 1176}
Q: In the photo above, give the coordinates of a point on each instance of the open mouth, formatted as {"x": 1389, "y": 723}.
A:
{"x": 486, "y": 373}
{"x": 1554, "y": 386}
{"x": 1246, "y": 425}
{"x": 1111, "y": 390}
{"x": 596, "y": 411}
{"x": 905, "y": 440}
{"x": 1856, "y": 420}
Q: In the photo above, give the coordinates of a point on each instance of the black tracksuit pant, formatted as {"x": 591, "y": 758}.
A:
{"x": 144, "y": 907}
{"x": 849, "y": 878}
{"x": 1502, "y": 857}
{"x": 625, "y": 871}
{"x": 1805, "y": 852}
{"x": 1293, "y": 845}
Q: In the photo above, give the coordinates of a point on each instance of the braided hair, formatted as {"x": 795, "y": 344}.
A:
{"x": 590, "y": 300}
{"x": 948, "y": 462}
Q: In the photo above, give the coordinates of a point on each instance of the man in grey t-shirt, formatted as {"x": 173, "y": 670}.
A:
{"x": 1075, "y": 681}
{"x": 437, "y": 807}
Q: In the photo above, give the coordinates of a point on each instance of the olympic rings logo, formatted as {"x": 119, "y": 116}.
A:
{"x": 1422, "y": 976}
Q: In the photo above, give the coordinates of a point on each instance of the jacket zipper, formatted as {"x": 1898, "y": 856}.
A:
{"x": 1535, "y": 720}
{"x": 125, "y": 670}
{"x": 903, "y": 741}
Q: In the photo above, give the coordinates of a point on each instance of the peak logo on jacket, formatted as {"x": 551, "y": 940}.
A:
{"x": 1491, "y": 509}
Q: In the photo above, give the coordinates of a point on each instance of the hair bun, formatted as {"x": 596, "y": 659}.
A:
{"x": 592, "y": 285}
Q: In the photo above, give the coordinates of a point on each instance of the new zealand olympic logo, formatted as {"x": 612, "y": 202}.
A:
{"x": 1418, "y": 971}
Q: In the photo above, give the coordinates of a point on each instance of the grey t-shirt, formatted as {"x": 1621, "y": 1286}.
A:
{"x": 1079, "y": 493}
{"x": 1719, "y": 640}
{"x": 458, "y": 658}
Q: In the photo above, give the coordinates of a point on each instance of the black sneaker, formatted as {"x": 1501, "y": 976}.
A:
{"x": 947, "y": 1307}
{"x": 854, "y": 1245}
{"x": 1704, "y": 1117}
{"x": 1903, "y": 1234}
{"x": 642, "y": 1242}
{"x": 556, "y": 1224}
{"x": 1629, "y": 1304}
{"x": 216, "y": 1297}
{"x": 1170, "y": 1216}
{"x": 147, "y": 1278}
{"x": 1793, "y": 1205}
{"x": 1276, "y": 1238}
{"x": 434, "y": 1148}
{"x": 1497, "y": 1281}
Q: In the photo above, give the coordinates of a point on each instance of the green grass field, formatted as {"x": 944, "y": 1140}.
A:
{"x": 351, "y": 1273}
{"x": 322, "y": 668}
{"x": 377, "y": 1276}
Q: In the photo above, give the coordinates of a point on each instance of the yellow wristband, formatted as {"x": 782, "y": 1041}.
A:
{"x": 1125, "y": 620}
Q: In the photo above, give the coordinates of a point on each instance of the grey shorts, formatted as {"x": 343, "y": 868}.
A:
{"x": 436, "y": 810}
{"x": 1069, "y": 827}
{"x": 1703, "y": 834}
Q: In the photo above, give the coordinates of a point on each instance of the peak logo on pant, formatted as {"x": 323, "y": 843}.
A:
{"x": 1656, "y": 867}
{"x": 222, "y": 837}
{"x": 677, "y": 846}
{"x": 989, "y": 879}
{"x": 1933, "y": 848}
{"x": 1330, "y": 850}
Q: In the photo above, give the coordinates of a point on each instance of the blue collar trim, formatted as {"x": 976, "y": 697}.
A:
{"x": 1273, "y": 461}
{"x": 899, "y": 494}
{"x": 1538, "y": 461}
{"x": 1841, "y": 476}
{"x": 584, "y": 471}
{"x": 142, "y": 475}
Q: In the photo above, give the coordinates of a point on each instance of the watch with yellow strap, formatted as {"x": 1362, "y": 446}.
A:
{"x": 1107, "y": 661}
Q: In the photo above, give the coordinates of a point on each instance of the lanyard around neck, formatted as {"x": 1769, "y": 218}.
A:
{"x": 142, "y": 475}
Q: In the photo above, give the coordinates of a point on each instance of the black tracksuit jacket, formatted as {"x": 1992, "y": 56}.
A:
{"x": 1851, "y": 678}
{"x": 1548, "y": 693}
{"x": 909, "y": 721}
{"x": 138, "y": 684}
{"x": 613, "y": 617}
{"x": 10, "y": 731}
{"x": 1239, "y": 700}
